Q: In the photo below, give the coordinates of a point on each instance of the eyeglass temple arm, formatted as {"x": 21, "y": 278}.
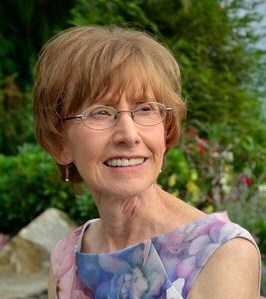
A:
{"x": 72, "y": 117}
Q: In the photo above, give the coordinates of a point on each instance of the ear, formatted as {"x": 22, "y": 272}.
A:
{"x": 62, "y": 155}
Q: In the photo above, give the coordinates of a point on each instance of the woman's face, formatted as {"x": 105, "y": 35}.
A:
{"x": 96, "y": 152}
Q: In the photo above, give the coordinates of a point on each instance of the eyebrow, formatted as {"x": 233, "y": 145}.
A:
{"x": 113, "y": 101}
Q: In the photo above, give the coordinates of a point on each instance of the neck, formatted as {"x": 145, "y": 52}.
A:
{"x": 126, "y": 221}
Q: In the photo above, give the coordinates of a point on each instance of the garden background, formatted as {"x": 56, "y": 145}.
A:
{"x": 220, "y": 161}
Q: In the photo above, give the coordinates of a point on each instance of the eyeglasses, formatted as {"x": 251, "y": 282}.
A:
{"x": 105, "y": 117}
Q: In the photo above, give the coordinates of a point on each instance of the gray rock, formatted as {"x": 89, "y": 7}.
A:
{"x": 24, "y": 260}
{"x": 48, "y": 228}
{"x": 22, "y": 257}
{"x": 24, "y": 287}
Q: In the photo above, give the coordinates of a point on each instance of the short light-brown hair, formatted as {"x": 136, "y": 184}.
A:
{"x": 82, "y": 64}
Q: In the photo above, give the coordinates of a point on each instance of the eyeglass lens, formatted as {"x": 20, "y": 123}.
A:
{"x": 103, "y": 117}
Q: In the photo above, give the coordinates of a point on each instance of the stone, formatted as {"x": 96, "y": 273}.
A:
{"x": 21, "y": 256}
{"x": 24, "y": 287}
{"x": 48, "y": 228}
{"x": 24, "y": 260}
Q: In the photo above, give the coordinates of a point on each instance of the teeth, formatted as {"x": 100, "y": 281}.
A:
{"x": 124, "y": 162}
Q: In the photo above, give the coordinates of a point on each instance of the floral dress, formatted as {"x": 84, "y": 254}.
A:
{"x": 165, "y": 266}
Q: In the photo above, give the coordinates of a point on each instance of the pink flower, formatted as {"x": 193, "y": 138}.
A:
{"x": 245, "y": 180}
{"x": 3, "y": 240}
{"x": 191, "y": 132}
{"x": 201, "y": 146}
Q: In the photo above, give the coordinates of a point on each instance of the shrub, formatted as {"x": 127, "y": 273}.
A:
{"x": 30, "y": 183}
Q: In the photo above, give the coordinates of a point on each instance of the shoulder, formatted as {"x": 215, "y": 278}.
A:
{"x": 63, "y": 254}
{"x": 213, "y": 243}
{"x": 62, "y": 271}
{"x": 233, "y": 271}
{"x": 67, "y": 243}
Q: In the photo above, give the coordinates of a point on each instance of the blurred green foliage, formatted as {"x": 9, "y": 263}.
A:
{"x": 214, "y": 46}
{"x": 16, "y": 119}
{"x": 219, "y": 162}
{"x": 29, "y": 184}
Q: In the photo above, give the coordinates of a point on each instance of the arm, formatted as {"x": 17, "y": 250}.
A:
{"x": 232, "y": 272}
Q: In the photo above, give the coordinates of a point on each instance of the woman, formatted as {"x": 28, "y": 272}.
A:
{"x": 108, "y": 105}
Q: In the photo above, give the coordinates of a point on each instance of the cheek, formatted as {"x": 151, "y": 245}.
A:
{"x": 162, "y": 133}
{"x": 85, "y": 161}
{"x": 82, "y": 143}
{"x": 156, "y": 140}
{"x": 85, "y": 153}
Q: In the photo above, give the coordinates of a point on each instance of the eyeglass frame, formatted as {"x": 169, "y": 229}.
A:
{"x": 117, "y": 113}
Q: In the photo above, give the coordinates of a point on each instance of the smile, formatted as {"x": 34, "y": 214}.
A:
{"x": 124, "y": 162}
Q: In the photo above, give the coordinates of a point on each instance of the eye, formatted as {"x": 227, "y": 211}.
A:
{"x": 146, "y": 108}
{"x": 101, "y": 112}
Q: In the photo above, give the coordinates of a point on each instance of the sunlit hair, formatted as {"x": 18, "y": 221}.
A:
{"x": 83, "y": 65}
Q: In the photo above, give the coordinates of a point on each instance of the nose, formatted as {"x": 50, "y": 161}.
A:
{"x": 126, "y": 130}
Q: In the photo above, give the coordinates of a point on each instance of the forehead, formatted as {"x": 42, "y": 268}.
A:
{"x": 132, "y": 82}
{"x": 133, "y": 91}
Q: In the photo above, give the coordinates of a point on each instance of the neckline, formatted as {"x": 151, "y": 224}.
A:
{"x": 220, "y": 215}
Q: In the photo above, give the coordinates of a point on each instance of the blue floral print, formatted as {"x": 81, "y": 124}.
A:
{"x": 165, "y": 266}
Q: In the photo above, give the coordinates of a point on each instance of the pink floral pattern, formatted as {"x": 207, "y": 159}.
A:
{"x": 165, "y": 266}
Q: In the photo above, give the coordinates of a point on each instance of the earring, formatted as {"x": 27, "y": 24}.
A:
{"x": 67, "y": 173}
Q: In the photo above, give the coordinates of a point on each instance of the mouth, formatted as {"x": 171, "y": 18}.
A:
{"x": 124, "y": 162}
